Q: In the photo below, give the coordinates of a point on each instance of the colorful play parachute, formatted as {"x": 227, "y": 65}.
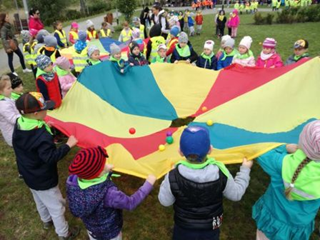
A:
{"x": 252, "y": 110}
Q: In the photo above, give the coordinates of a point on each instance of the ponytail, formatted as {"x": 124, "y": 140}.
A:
{"x": 288, "y": 190}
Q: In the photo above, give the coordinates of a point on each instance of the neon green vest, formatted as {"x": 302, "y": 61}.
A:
{"x": 80, "y": 59}
{"x": 183, "y": 52}
{"x": 30, "y": 58}
{"x": 307, "y": 185}
{"x": 126, "y": 36}
{"x": 156, "y": 41}
{"x": 103, "y": 33}
{"x": 62, "y": 36}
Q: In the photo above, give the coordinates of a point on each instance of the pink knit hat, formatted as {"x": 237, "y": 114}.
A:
{"x": 269, "y": 43}
{"x": 63, "y": 63}
{"x": 74, "y": 25}
{"x": 309, "y": 140}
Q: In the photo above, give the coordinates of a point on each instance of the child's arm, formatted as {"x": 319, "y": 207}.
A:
{"x": 236, "y": 187}
{"x": 194, "y": 55}
{"x": 119, "y": 200}
{"x": 149, "y": 48}
{"x": 214, "y": 64}
{"x": 165, "y": 196}
{"x": 43, "y": 89}
{"x": 9, "y": 112}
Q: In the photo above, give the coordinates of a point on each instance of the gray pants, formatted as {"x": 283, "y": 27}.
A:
{"x": 119, "y": 237}
{"x": 51, "y": 206}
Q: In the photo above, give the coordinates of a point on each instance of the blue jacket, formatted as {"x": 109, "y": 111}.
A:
{"x": 277, "y": 217}
{"x": 224, "y": 63}
{"x": 204, "y": 63}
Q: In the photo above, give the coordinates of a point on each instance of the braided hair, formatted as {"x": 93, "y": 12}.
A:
{"x": 295, "y": 176}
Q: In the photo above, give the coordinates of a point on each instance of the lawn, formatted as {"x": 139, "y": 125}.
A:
{"x": 150, "y": 221}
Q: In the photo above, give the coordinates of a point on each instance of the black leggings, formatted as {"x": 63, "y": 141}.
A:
{"x": 10, "y": 59}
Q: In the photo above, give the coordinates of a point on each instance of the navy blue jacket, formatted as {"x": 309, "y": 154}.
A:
{"x": 37, "y": 157}
{"x": 204, "y": 63}
{"x": 175, "y": 55}
{"x": 225, "y": 63}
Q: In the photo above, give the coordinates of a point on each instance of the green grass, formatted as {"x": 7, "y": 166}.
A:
{"x": 150, "y": 221}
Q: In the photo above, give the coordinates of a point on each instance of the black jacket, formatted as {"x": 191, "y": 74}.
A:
{"x": 37, "y": 157}
{"x": 175, "y": 55}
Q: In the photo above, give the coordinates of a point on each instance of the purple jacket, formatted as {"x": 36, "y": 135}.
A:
{"x": 100, "y": 206}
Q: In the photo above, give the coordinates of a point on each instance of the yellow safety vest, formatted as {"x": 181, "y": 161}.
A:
{"x": 90, "y": 36}
{"x": 172, "y": 41}
{"x": 126, "y": 36}
{"x": 53, "y": 55}
{"x": 74, "y": 35}
{"x": 142, "y": 31}
{"x": 103, "y": 33}
{"x": 156, "y": 41}
{"x": 30, "y": 57}
{"x": 80, "y": 60}
{"x": 62, "y": 36}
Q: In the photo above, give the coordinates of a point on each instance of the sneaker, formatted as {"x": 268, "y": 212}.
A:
{"x": 47, "y": 225}
{"x": 73, "y": 232}
{"x": 27, "y": 70}
{"x": 14, "y": 73}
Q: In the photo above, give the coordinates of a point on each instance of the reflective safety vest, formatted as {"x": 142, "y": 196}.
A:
{"x": 172, "y": 41}
{"x": 126, "y": 36}
{"x": 155, "y": 42}
{"x": 92, "y": 35}
{"x": 75, "y": 35}
{"x": 30, "y": 58}
{"x": 62, "y": 36}
{"x": 52, "y": 56}
{"x": 80, "y": 59}
{"x": 142, "y": 31}
{"x": 307, "y": 185}
{"x": 103, "y": 33}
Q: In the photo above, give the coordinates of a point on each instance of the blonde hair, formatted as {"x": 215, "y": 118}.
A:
{"x": 288, "y": 190}
{"x": 3, "y": 81}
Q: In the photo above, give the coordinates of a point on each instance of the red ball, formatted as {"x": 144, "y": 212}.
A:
{"x": 132, "y": 131}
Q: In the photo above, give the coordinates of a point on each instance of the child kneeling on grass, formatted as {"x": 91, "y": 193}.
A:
{"x": 37, "y": 158}
{"x": 95, "y": 199}
{"x": 196, "y": 186}
{"x": 207, "y": 59}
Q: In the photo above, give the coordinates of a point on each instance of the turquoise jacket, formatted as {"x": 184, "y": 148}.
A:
{"x": 277, "y": 217}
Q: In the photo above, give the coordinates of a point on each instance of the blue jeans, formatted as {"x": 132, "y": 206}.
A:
{"x": 192, "y": 234}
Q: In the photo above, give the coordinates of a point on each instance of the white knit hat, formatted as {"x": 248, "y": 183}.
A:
{"x": 246, "y": 42}
{"x": 224, "y": 39}
{"x": 162, "y": 46}
{"x": 209, "y": 44}
{"x": 89, "y": 23}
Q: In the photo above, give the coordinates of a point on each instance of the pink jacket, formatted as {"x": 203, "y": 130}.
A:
{"x": 274, "y": 61}
{"x": 246, "y": 62}
{"x": 35, "y": 25}
{"x": 8, "y": 118}
{"x": 234, "y": 21}
{"x": 66, "y": 82}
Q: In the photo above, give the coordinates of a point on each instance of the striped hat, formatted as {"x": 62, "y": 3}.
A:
{"x": 269, "y": 43}
{"x": 309, "y": 140}
{"x": 89, "y": 163}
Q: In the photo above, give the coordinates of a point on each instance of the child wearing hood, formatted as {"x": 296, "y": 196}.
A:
{"x": 80, "y": 53}
{"x": 234, "y": 23}
{"x": 171, "y": 44}
{"x": 207, "y": 59}
{"x": 136, "y": 58}
{"x": 269, "y": 58}
{"x": 94, "y": 198}
{"x": 244, "y": 56}
{"x": 183, "y": 50}
{"x": 155, "y": 40}
{"x": 66, "y": 78}
{"x": 115, "y": 58}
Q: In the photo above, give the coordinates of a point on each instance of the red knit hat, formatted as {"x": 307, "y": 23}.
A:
{"x": 88, "y": 163}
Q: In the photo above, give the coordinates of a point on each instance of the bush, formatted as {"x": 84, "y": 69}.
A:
{"x": 73, "y": 14}
{"x": 99, "y": 7}
{"x": 126, "y": 9}
{"x": 259, "y": 19}
{"x": 300, "y": 14}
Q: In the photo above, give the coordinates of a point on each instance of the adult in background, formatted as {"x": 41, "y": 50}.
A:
{"x": 145, "y": 20}
{"x": 10, "y": 43}
{"x": 159, "y": 18}
{"x": 35, "y": 24}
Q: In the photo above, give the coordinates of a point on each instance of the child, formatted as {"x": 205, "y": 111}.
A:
{"x": 300, "y": 52}
{"x": 95, "y": 199}
{"x": 245, "y": 56}
{"x": 80, "y": 53}
{"x": 136, "y": 58}
{"x": 116, "y": 59}
{"x": 136, "y": 38}
{"x": 60, "y": 35}
{"x": 136, "y": 24}
{"x": 223, "y": 40}
{"x": 40, "y": 40}
{"x": 234, "y": 23}
{"x": 236, "y": 5}
{"x": 183, "y": 50}
{"x": 126, "y": 33}
{"x": 207, "y": 59}
{"x": 37, "y": 159}
{"x": 269, "y": 58}
{"x": 227, "y": 54}
{"x": 94, "y": 55}
{"x": 16, "y": 85}
{"x": 73, "y": 34}
{"x": 105, "y": 31}
{"x": 66, "y": 78}
{"x": 47, "y": 81}
{"x": 171, "y": 45}
{"x": 199, "y": 21}
{"x": 28, "y": 49}
{"x": 196, "y": 187}
{"x": 221, "y": 22}
{"x": 91, "y": 32}
{"x": 191, "y": 24}
{"x": 155, "y": 40}
{"x": 9, "y": 112}
{"x": 50, "y": 48}
{"x": 274, "y": 5}
{"x": 241, "y": 9}
{"x": 162, "y": 57}
{"x": 288, "y": 208}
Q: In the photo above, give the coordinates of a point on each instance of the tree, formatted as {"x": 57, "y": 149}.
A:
{"x": 125, "y": 8}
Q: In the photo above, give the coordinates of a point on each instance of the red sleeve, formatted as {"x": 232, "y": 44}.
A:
{"x": 170, "y": 50}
